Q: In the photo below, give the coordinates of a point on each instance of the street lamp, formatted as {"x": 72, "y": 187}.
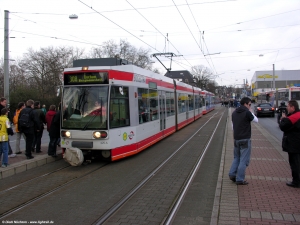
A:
{"x": 73, "y": 17}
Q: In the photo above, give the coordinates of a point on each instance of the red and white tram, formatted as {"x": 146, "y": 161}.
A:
{"x": 117, "y": 110}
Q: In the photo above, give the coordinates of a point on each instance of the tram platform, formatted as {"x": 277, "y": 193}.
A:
{"x": 20, "y": 163}
{"x": 266, "y": 199}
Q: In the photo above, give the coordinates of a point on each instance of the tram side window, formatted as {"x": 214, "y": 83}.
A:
{"x": 201, "y": 102}
{"x": 295, "y": 95}
{"x": 143, "y": 104}
{"x": 197, "y": 97}
{"x": 191, "y": 102}
{"x": 182, "y": 102}
{"x": 170, "y": 103}
{"x": 153, "y": 102}
{"x": 119, "y": 107}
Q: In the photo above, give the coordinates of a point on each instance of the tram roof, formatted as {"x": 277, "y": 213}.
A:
{"x": 137, "y": 70}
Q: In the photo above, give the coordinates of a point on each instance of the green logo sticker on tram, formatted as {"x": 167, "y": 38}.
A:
{"x": 124, "y": 136}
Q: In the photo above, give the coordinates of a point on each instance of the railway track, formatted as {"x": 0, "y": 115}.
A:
{"x": 101, "y": 193}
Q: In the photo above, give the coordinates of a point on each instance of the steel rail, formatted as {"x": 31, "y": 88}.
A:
{"x": 189, "y": 180}
{"x": 116, "y": 206}
{"x": 35, "y": 199}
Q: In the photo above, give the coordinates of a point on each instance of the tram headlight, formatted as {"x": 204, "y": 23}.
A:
{"x": 99, "y": 134}
{"x": 66, "y": 133}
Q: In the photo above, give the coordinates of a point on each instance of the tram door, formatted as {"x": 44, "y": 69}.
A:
{"x": 163, "y": 111}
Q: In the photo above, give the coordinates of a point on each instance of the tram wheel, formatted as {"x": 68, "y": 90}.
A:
{"x": 106, "y": 154}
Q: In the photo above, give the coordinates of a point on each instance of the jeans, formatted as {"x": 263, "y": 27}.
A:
{"x": 52, "y": 146}
{"x": 37, "y": 140}
{"x": 242, "y": 153}
{"x": 4, "y": 151}
{"x": 29, "y": 141}
{"x": 18, "y": 139}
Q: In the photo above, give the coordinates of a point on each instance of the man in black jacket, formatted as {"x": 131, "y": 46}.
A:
{"x": 290, "y": 125}
{"x": 38, "y": 131}
{"x": 29, "y": 131}
{"x": 241, "y": 121}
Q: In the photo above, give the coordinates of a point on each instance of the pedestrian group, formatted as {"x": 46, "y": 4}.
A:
{"x": 289, "y": 124}
{"x": 28, "y": 120}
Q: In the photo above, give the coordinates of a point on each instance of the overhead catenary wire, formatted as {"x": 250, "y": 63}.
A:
{"x": 189, "y": 29}
{"x": 246, "y": 21}
{"x": 202, "y": 38}
{"x": 166, "y": 37}
{"x": 85, "y": 41}
{"x": 117, "y": 25}
{"x": 121, "y": 10}
{"x": 58, "y": 38}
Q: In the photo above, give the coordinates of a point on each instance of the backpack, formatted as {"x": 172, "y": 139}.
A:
{"x": 24, "y": 119}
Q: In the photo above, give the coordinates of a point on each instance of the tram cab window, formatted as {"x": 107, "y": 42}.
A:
{"x": 119, "y": 107}
{"x": 85, "y": 107}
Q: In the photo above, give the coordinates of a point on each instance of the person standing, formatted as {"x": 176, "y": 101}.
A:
{"x": 3, "y": 104}
{"x": 38, "y": 131}
{"x": 290, "y": 125}
{"x": 49, "y": 116}
{"x": 33, "y": 124}
{"x": 54, "y": 134}
{"x": 241, "y": 121}
{"x": 44, "y": 109}
{"x": 5, "y": 129}
{"x": 21, "y": 106}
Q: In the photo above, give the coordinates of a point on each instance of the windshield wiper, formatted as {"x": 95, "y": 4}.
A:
{"x": 89, "y": 122}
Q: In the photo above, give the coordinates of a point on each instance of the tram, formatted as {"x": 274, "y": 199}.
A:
{"x": 114, "y": 110}
{"x": 283, "y": 95}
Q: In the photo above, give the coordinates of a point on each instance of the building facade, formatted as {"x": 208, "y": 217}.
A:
{"x": 263, "y": 81}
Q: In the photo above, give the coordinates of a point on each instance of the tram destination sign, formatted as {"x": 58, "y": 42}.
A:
{"x": 86, "y": 78}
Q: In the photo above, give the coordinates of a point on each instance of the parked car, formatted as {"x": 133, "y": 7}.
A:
{"x": 264, "y": 109}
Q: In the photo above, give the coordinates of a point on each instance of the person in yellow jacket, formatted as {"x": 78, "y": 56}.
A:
{"x": 21, "y": 106}
{"x": 5, "y": 130}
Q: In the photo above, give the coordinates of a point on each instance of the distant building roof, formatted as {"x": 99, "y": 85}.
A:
{"x": 181, "y": 75}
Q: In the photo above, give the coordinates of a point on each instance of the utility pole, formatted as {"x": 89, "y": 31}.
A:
{"x": 274, "y": 77}
{"x": 6, "y": 56}
{"x": 276, "y": 93}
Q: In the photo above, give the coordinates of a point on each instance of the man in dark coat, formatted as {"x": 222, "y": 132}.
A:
{"x": 38, "y": 133}
{"x": 241, "y": 122}
{"x": 54, "y": 134}
{"x": 290, "y": 125}
{"x": 29, "y": 131}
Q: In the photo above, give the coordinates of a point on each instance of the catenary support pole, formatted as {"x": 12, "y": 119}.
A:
{"x": 6, "y": 56}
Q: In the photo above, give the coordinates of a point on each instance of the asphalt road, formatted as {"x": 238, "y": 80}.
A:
{"x": 271, "y": 125}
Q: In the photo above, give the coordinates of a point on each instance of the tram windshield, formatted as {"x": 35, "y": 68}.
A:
{"x": 85, "y": 107}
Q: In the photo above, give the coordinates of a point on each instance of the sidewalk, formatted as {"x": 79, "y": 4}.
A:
{"x": 266, "y": 199}
{"x": 19, "y": 163}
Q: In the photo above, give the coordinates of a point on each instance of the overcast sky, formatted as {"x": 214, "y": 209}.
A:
{"x": 240, "y": 36}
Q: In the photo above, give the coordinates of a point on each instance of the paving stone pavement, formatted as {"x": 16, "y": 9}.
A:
{"x": 19, "y": 163}
{"x": 266, "y": 199}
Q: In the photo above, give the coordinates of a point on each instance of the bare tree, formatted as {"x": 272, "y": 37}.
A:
{"x": 202, "y": 75}
{"x": 139, "y": 57}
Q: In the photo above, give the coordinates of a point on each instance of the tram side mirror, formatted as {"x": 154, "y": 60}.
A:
{"x": 121, "y": 90}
